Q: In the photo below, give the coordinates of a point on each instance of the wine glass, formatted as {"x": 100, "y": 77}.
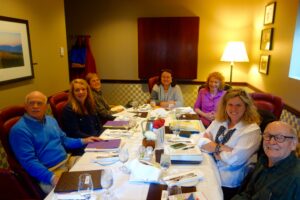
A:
{"x": 175, "y": 127}
{"x": 135, "y": 105}
{"x": 175, "y": 190}
{"x": 85, "y": 185}
{"x": 165, "y": 162}
{"x": 152, "y": 104}
{"x": 124, "y": 156}
{"x": 177, "y": 114}
{"x": 106, "y": 182}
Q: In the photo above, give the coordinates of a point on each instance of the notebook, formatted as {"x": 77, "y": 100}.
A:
{"x": 116, "y": 124}
{"x": 68, "y": 181}
{"x": 104, "y": 145}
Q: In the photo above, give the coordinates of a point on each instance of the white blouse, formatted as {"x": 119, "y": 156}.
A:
{"x": 245, "y": 141}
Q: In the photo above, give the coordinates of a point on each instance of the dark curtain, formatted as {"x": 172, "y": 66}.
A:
{"x": 81, "y": 58}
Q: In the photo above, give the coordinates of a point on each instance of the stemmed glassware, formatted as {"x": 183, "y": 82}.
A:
{"x": 85, "y": 185}
{"x": 135, "y": 105}
{"x": 124, "y": 156}
{"x": 106, "y": 182}
{"x": 175, "y": 127}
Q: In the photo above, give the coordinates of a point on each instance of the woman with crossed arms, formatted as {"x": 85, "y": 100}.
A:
{"x": 233, "y": 138}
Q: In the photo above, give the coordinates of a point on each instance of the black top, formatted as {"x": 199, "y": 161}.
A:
{"x": 80, "y": 126}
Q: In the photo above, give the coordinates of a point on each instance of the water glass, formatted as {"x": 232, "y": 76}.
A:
{"x": 106, "y": 182}
{"x": 85, "y": 185}
{"x": 152, "y": 104}
{"x": 171, "y": 106}
{"x": 135, "y": 105}
{"x": 177, "y": 114}
{"x": 165, "y": 161}
{"x": 175, "y": 127}
{"x": 124, "y": 156}
{"x": 141, "y": 152}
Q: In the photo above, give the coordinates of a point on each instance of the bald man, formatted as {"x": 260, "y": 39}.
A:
{"x": 277, "y": 174}
{"x": 39, "y": 144}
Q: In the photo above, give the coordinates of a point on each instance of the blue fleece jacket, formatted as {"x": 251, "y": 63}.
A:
{"x": 40, "y": 145}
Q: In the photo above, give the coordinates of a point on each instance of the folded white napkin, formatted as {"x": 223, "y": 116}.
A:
{"x": 143, "y": 173}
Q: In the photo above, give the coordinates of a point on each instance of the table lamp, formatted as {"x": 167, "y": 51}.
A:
{"x": 234, "y": 52}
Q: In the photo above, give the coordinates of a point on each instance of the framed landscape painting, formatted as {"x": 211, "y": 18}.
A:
{"x": 15, "y": 51}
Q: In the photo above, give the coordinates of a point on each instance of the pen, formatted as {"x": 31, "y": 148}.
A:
{"x": 185, "y": 148}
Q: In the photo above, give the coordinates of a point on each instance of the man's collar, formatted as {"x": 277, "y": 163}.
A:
{"x": 34, "y": 119}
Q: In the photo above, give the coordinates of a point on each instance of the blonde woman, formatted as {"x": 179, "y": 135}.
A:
{"x": 79, "y": 118}
{"x": 233, "y": 138}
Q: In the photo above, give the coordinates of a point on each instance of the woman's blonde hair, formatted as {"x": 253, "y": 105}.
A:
{"x": 218, "y": 76}
{"x": 89, "y": 103}
{"x": 250, "y": 116}
{"x": 89, "y": 76}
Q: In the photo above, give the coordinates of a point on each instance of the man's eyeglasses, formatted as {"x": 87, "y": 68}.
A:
{"x": 277, "y": 138}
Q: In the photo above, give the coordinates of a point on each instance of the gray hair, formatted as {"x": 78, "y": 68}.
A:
{"x": 35, "y": 93}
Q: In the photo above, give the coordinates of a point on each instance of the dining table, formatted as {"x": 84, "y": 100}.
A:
{"x": 123, "y": 187}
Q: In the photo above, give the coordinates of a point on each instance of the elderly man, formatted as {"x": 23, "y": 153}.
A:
{"x": 277, "y": 175}
{"x": 39, "y": 144}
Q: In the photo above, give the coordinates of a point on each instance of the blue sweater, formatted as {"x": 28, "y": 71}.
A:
{"x": 40, "y": 145}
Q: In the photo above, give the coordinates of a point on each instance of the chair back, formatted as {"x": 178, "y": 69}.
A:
{"x": 266, "y": 101}
{"x": 9, "y": 116}
{"x": 57, "y": 102}
{"x": 151, "y": 82}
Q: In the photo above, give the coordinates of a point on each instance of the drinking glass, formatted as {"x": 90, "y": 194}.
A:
{"x": 141, "y": 152}
{"x": 175, "y": 127}
{"x": 165, "y": 162}
{"x": 177, "y": 114}
{"x": 124, "y": 156}
{"x": 85, "y": 185}
{"x": 135, "y": 105}
{"x": 175, "y": 190}
{"x": 152, "y": 104}
{"x": 171, "y": 106}
{"x": 106, "y": 182}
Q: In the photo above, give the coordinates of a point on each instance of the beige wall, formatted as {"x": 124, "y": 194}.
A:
{"x": 113, "y": 27}
{"x": 277, "y": 81}
{"x": 47, "y": 34}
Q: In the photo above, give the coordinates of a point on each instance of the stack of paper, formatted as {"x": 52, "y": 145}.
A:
{"x": 116, "y": 124}
{"x": 104, "y": 145}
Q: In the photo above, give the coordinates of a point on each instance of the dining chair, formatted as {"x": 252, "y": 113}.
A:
{"x": 57, "y": 102}
{"x": 269, "y": 102}
{"x": 9, "y": 116}
{"x": 151, "y": 82}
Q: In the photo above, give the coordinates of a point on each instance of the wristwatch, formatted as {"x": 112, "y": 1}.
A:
{"x": 218, "y": 148}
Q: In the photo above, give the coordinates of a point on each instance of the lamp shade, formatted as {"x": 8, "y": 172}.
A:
{"x": 235, "y": 52}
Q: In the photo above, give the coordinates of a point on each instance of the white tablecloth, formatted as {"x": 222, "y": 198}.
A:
{"x": 125, "y": 190}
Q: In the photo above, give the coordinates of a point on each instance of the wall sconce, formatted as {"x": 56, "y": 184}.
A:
{"x": 234, "y": 52}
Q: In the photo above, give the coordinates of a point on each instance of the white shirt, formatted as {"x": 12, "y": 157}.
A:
{"x": 245, "y": 141}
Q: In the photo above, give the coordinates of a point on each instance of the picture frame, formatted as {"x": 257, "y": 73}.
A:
{"x": 264, "y": 64}
{"x": 269, "y": 13}
{"x": 266, "y": 41}
{"x": 15, "y": 50}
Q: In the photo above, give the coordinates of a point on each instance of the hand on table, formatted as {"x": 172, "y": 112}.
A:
{"x": 90, "y": 139}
